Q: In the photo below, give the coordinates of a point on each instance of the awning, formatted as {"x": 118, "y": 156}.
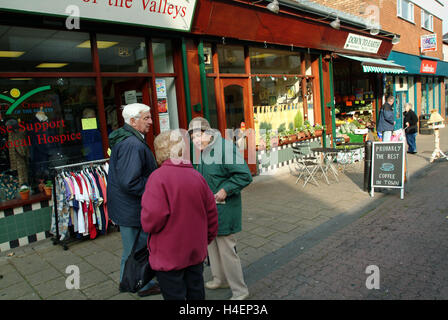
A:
{"x": 377, "y": 65}
{"x": 413, "y": 63}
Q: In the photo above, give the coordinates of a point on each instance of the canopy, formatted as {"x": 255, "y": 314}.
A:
{"x": 377, "y": 65}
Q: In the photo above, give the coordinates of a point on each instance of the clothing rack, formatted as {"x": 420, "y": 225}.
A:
{"x": 54, "y": 172}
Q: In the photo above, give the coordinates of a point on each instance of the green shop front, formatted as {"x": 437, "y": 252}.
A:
{"x": 423, "y": 86}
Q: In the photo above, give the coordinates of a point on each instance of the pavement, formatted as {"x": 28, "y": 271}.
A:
{"x": 297, "y": 243}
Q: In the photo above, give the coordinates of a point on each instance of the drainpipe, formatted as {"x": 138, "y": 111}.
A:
{"x": 203, "y": 80}
{"x": 322, "y": 100}
{"x": 186, "y": 81}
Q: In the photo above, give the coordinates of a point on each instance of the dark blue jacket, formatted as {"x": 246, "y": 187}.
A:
{"x": 131, "y": 163}
{"x": 386, "y": 118}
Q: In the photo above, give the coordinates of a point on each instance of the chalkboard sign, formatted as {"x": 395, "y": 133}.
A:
{"x": 388, "y": 165}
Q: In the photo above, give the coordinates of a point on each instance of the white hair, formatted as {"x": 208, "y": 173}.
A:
{"x": 134, "y": 110}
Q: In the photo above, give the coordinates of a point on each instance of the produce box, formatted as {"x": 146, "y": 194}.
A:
{"x": 356, "y": 137}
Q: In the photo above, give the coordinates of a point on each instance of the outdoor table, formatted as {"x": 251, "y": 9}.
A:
{"x": 328, "y": 154}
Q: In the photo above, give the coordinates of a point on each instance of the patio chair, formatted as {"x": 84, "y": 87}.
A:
{"x": 304, "y": 163}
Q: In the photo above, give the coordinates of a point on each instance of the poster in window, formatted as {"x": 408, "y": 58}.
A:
{"x": 162, "y": 105}
{"x": 164, "y": 121}
{"x": 161, "y": 88}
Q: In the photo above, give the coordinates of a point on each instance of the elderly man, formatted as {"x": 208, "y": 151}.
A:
{"x": 226, "y": 173}
{"x": 131, "y": 163}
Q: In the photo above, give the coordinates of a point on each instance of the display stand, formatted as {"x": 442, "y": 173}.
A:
{"x": 437, "y": 152}
{"x": 54, "y": 173}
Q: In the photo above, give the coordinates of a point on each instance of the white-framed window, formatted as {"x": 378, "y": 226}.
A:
{"x": 427, "y": 20}
{"x": 405, "y": 10}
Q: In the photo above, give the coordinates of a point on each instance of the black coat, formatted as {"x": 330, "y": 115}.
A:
{"x": 410, "y": 117}
{"x": 131, "y": 163}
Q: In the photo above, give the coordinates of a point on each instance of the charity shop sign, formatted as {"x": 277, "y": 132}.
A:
{"x": 172, "y": 14}
{"x": 360, "y": 43}
{"x": 388, "y": 165}
{"x": 428, "y": 42}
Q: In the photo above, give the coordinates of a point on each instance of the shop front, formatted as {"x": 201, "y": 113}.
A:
{"x": 423, "y": 86}
{"x": 62, "y": 92}
{"x": 62, "y": 89}
{"x": 359, "y": 93}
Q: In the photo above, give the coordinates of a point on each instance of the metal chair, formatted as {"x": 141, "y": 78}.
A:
{"x": 304, "y": 163}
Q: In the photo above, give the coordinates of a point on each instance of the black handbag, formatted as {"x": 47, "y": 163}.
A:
{"x": 137, "y": 271}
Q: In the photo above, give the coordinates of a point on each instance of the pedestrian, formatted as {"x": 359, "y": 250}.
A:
{"x": 386, "y": 119}
{"x": 410, "y": 124}
{"x": 182, "y": 219}
{"x": 131, "y": 163}
{"x": 226, "y": 173}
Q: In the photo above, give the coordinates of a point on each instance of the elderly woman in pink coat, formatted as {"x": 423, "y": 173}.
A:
{"x": 179, "y": 212}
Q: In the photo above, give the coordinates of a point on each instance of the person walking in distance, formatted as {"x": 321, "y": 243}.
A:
{"x": 386, "y": 119}
{"x": 226, "y": 179}
{"x": 131, "y": 163}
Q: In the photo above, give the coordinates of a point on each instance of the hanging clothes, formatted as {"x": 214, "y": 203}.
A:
{"x": 81, "y": 202}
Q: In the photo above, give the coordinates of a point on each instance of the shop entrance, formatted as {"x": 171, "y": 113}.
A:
{"x": 235, "y": 97}
{"x": 126, "y": 91}
{"x": 400, "y": 101}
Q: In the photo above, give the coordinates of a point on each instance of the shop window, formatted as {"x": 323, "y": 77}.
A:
{"x": 278, "y": 103}
{"x": 430, "y": 94}
{"x": 163, "y": 56}
{"x": 213, "y": 111}
{"x": 405, "y": 10}
{"x": 436, "y": 94}
{"x": 427, "y": 20}
{"x": 122, "y": 54}
{"x": 270, "y": 61}
{"x": 56, "y": 125}
{"x": 411, "y": 92}
{"x": 167, "y": 104}
{"x": 42, "y": 50}
{"x": 208, "y": 58}
{"x": 446, "y": 97}
{"x": 231, "y": 59}
{"x": 424, "y": 108}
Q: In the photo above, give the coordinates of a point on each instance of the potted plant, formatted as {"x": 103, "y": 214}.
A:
{"x": 48, "y": 188}
{"x": 318, "y": 129}
{"x": 301, "y": 133}
{"x": 24, "y": 192}
{"x": 292, "y": 136}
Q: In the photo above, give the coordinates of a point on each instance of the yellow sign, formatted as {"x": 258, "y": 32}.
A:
{"x": 89, "y": 124}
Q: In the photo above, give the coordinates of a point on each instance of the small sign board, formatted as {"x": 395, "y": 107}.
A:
{"x": 388, "y": 163}
{"x": 428, "y": 42}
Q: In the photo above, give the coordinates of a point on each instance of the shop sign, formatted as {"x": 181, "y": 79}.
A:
{"x": 361, "y": 43}
{"x": 428, "y": 42}
{"x": 388, "y": 165}
{"x": 173, "y": 14}
{"x": 428, "y": 66}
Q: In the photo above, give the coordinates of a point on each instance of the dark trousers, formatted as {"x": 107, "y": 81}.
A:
{"x": 185, "y": 284}
{"x": 410, "y": 138}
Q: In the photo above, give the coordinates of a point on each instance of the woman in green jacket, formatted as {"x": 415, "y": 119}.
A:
{"x": 226, "y": 173}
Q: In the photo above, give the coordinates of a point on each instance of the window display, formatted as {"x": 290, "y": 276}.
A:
{"x": 42, "y": 127}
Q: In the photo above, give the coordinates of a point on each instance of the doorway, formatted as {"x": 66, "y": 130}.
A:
{"x": 238, "y": 115}
{"x": 119, "y": 92}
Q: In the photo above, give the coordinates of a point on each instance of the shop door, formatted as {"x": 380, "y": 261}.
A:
{"x": 400, "y": 101}
{"x": 235, "y": 95}
{"x": 133, "y": 91}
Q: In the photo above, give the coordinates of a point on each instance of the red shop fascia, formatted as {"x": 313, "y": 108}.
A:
{"x": 251, "y": 23}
